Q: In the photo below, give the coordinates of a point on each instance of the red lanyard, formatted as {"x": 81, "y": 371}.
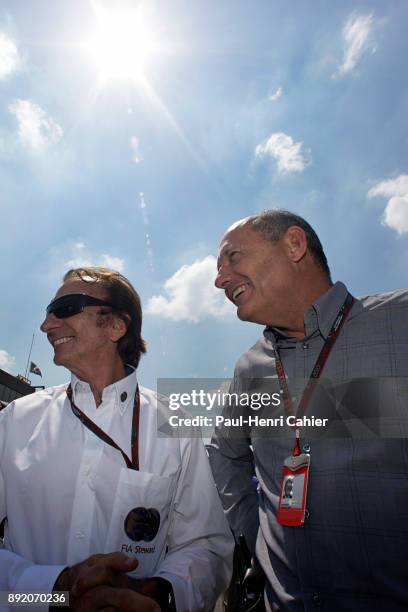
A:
{"x": 132, "y": 465}
{"x": 317, "y": 368}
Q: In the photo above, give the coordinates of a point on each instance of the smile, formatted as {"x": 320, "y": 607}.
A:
{"x": 62, "y": 340}
{"x": 238, "y": 291}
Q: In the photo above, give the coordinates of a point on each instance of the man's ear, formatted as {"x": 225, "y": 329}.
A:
{"x": 118, "y": 328}
{"x": 295, "y": 243}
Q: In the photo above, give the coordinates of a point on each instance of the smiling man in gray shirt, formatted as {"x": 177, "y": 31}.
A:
{"x": 346, "y": 547}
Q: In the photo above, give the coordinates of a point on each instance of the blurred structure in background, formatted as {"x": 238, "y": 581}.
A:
{"x": 13, "y": 387}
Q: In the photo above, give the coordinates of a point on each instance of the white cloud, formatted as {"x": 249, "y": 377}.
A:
{"x": 79, "y": 262}
{"x": 275, "y": 96}
{"x": 356, "y": 34}
{"x": 9, "y": 58}
{"x": 191, "y": 294}
{"x": 81, "y": 259}
{"x": 396, "y": 212}
{"x": 110, "y": 261}
{"x": 137, "y": 157}
{"x": 36, "y": 130}
{"x": 285, "y": 150}
{"x": 7, "y": 361}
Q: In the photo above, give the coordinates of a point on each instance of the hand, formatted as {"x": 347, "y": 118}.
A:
{"x": 111, "y": 568}
{"x": 101, "y": 582}
{"x": 112, "y": 599}
{"x": 158, "y": 589}
{"x": 101, "y": 570}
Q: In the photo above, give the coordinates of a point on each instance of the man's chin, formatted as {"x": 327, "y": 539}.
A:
{"x": 243, "y": 314}
{"x": 59, "y": 360}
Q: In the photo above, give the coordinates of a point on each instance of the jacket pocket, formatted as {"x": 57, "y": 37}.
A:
{"x": 140, "y": 519}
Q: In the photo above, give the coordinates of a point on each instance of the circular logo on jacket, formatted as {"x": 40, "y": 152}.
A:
{"x": 142, "y": 524}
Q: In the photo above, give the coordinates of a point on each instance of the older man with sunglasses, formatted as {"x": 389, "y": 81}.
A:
{"x": 94, "y": 501}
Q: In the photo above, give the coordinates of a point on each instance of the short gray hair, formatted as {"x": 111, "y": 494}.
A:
{"x": 272, "y": 223}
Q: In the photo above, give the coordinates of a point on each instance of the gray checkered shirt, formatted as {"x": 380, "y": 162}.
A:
{"x": 351, "y": 553}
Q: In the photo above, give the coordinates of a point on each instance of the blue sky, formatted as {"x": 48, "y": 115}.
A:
{"x": 139, "y": 155}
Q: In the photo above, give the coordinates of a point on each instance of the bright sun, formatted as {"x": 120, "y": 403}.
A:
{"x": 121, "y": 43}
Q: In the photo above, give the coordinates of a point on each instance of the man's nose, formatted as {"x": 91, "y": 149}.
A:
{"x": 222, "y": 278}
{"x": 50, "y": 322}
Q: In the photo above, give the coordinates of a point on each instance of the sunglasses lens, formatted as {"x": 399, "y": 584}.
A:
{"x": 67, "y": 306}
{"x": 67, "y": 311}
{"x": 72, "y": 304}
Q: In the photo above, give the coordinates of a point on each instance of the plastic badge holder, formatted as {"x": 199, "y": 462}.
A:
{"x": 292, "y": 500}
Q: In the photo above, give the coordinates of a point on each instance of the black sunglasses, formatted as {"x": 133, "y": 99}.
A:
{"x": 72, "y": 304}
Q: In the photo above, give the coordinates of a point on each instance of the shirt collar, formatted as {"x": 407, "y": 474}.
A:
{"x": 319, "y": 317}
{"x": 322, "y": 313}
{"x": 119, "y": 394}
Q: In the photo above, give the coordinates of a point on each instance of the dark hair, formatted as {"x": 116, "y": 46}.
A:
{"x": 125, "y": 299}
{"x": 272, "y": 223}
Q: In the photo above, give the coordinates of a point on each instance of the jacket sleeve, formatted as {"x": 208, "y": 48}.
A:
{"x": 16, "y": 573}
{"x": 199, "y": 559}
{"x": 232, "y": 464}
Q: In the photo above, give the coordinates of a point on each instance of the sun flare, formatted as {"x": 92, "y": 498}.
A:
{"x": 121, "y": 43}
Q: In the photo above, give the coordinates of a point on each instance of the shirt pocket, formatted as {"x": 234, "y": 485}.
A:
{"x": 140, "y": 519}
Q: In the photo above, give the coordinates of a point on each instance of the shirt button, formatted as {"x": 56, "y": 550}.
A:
{"x": 79, "y": 536}
{"x": 87, "y": 470}
{"x": 305, "y": 345}
{"x": 123, "y": 396}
